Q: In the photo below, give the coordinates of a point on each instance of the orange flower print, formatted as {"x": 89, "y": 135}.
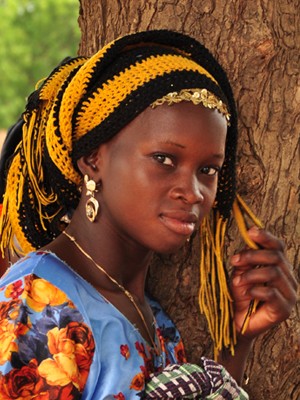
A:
{"x": 138, "y": 382}
{"x": 141, "y": 349}
{"x": 119, "y": 396}
{"x": 14, "y": 290}
{"x": 60, "y": 370}
{"x": 68, "y": 392}
{"x": 148, "y": 367}
{"x": 24, "y": 383}
{"x": 81, "y": 334}
{"x": 124, "y": 350}
{"x": 72, "y": 348}
{"x": 23, "y": 328}
{"x": 7, "y": 340}
{"x": 10, "y": 309}
{"x": 39, "y": 293}
{"x": 71, "y": 304}
{"x": 179, "y": 352}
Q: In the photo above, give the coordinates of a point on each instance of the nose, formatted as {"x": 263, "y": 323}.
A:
{"x": 188, "y": 189}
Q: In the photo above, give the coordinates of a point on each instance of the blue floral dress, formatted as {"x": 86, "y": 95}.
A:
{"x": 60, "y": 339}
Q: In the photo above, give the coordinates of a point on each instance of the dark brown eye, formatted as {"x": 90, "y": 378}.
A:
{"x": 210, "y": 171}
{"x": 163, "y": 159}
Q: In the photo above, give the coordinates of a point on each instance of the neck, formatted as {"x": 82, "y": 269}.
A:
{"x": 123, "y": 260}
{"x": 126, "y": 292}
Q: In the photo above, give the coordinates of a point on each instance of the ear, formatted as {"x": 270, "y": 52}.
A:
{"x": 90, "y": 165}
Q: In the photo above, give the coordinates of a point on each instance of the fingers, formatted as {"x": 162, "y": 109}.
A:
{"x": 267, "y": 315}
{"x": 267, "y": 285}
{"x": 269, "y": 254}
{"x": 265, "y": 267}
{"x": 266, "y": 276}
{"x": 275, "y": 299}
{"x": 265, "y": 239}
{"x": 273, "y": 307}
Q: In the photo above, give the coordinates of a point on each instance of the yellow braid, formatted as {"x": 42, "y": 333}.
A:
{"x": 60, "y": 150}
{"x": 213, "y": 280}
{"x": 71, "y": 97}
{"x": 214, "y": 296}
{"x": 238, "y": 206}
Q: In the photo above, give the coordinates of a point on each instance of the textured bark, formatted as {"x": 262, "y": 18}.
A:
{"x": 257, "y": 42}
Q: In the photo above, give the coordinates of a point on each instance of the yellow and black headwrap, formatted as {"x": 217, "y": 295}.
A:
{"x": 87, "y": 101}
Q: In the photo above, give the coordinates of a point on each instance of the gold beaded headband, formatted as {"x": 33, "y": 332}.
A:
{"x": 196, "y": 96}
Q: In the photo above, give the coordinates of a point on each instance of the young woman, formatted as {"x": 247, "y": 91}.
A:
{"x": 122, "y": 155}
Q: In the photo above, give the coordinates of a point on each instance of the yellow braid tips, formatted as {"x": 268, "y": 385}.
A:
{"x": 214, "y": 297}
{"x": 238, "y": 207}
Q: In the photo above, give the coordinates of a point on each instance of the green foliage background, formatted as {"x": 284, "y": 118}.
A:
{"x": 35, "y": 35}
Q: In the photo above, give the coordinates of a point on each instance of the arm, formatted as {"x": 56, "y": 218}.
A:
{"x": 236, "y": 364}
{"x": 41, "y": 333}
{"x": 272, "y": 284}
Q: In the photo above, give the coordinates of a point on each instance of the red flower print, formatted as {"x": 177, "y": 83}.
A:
{"x": 22, "y": 383}
{"x": 124, "y": 350}
{"x": 179, "y": 352}
{"x": 148, "y": 367}
{"x": 146, "y": 370}
{"x": 141, "y": 349}
{"x": 10, "y": 309}
{"x": 14, "y": 290}
{"x": 138, "y": 382}
{"x": 72, "y": 348}
{"x": 119, "y": 396}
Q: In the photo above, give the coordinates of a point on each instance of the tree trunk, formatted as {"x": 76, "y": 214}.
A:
{"x": 256, "y": 42}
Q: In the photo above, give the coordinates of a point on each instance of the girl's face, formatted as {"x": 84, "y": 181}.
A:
{"x": 160, "y": 173}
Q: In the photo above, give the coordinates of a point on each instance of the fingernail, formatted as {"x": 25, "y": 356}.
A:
{"x": 255, "y": 230}
{"x": 236, "y": 258}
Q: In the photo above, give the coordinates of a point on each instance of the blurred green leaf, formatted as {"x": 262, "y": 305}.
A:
{"x": 35, "y": 36}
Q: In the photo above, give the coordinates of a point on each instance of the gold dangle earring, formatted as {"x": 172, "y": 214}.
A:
{"x": 92, "y": 204}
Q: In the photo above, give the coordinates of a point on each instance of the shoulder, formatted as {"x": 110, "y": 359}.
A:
{"x": 42, "y": 286}
{"x": 40, "y": 263}
{"x": 25, "y": 266}
{"x": 23, "y": 284}
{"x": 48, "y": 268}
{"x": 44, "y": 334}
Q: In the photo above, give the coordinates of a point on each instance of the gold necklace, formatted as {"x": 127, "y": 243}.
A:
{"x": 125, "y": 291}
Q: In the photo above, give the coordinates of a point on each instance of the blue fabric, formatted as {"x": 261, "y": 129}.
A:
{"x": 77, "y": 326}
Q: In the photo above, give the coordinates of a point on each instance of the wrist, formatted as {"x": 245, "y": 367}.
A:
{"x": 244, "y": 342}
{"x": 235, "y": 364}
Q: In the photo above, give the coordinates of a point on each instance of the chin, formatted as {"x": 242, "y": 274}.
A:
{"x": 170, "y": 248}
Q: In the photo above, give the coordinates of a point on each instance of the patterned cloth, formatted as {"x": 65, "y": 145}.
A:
{"x": 60, "y": 339}
{"x": 188, "y": 381}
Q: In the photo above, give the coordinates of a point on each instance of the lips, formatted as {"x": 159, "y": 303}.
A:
{"x": 180, "y": 222}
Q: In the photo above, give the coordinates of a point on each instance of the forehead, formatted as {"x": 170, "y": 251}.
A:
{"x": 183, "y": 122}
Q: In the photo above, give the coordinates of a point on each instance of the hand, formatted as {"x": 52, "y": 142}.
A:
{"x": 272, "y": 284}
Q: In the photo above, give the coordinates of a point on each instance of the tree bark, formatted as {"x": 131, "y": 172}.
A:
{"x": 257, "y": 42}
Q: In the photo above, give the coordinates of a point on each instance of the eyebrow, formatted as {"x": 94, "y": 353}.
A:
{"x": 173, "y": 143}
{"x": 170, "y": 142}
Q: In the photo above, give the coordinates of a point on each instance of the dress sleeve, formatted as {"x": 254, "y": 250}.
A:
{"x": 46, "y": 347}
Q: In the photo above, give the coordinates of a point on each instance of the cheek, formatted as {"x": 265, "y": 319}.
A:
{"x": 127, "y": 187}
{"x": 210, "y": 196}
